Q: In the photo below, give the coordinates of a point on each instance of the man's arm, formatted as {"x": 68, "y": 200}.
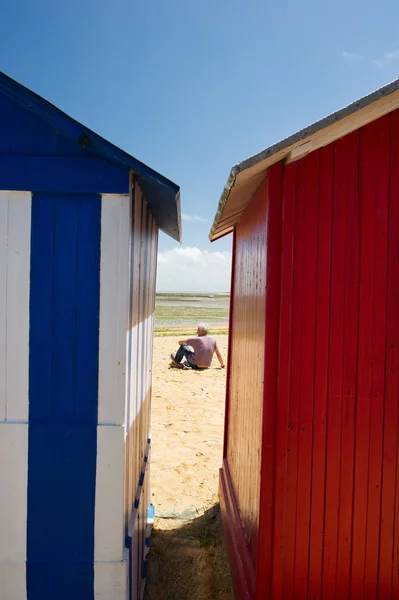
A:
{"x": 182, "y": 342}
{"x": 220, "y": 359}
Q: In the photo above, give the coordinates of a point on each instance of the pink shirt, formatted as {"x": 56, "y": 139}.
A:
{"x": 204, "y": 346}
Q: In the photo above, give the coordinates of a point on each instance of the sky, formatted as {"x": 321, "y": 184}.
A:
{"x": 193, "y": 88}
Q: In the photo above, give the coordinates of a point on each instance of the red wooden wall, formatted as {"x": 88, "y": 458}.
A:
{"x": 328, "y": 510}
{"x": 243, "y": 439}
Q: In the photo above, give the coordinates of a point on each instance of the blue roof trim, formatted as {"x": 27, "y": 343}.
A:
{"x": 162, "y": 195}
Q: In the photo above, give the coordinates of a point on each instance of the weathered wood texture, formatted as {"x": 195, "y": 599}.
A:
{"x": 143, "y": 258}
{"x": 244, "y": 426}
{"x": 324, "y": 477}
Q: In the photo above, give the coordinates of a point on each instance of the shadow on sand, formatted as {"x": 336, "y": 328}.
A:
{"x": 188, "y": 560}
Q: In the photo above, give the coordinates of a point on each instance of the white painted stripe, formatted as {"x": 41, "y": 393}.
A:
{"x": 138, "y": 396}
{"x": 13, "y": 504}
{"x": 110, "y": 570}
{"x": 15, "y": 226}
{"x": 3, "y": 302}
{"x": 114, "y": 282}
{"x": 13, "y": 510}
{"x": 12, "y": 581}
{"x": 109, "y": 529}
{"x": 111, "y": 580}
{"x": 132, "y": 334}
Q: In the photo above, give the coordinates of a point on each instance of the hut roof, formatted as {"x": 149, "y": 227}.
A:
{"x": 245, "y": 178}
{"x": 162, "y": 195}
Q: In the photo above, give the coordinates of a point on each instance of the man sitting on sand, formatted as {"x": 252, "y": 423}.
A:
{"x": 204, "y": 346}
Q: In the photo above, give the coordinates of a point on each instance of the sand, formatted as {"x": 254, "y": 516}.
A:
{"x": 187, "y": 559}
{"x": 187, "y": 433}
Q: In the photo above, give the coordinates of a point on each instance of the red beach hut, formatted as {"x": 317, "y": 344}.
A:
{"x": 309, "y": 481}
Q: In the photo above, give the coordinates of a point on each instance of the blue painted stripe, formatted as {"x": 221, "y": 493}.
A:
{"x": 63, "y": 392}
{"x": 62, "y": 175}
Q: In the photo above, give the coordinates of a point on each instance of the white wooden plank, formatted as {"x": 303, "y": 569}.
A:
{"x": 13, "y": 581}
{"x": 3, "y": 301}
{"x": 141, "y": 270}
{"x": 113, "y": 308}
{"x": 111, "y": 581}
{"x": 135, "y": 306}
{"x": 135, "y": 554}
{"x": 13, "y": 503}
{"x": 18, "y": 287}
{"x": 123, "y": 296}
{"x": 109, "y": 531}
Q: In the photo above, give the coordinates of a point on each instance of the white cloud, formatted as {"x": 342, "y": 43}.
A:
{"x": 193, "y": 270}
{"x": 186, "y": 217}
{"x": 351, "y": 56}
{"x": 386, "y": 59}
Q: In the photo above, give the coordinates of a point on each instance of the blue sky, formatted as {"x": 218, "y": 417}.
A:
{"x": 192, "y": 88}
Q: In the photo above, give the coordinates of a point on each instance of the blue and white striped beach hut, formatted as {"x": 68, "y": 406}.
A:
{"x": 79, "y": 222}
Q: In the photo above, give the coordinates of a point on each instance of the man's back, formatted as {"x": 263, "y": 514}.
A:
{"x": 204, "y": 346}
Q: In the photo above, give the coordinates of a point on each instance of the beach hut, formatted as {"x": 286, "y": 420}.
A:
{"x": 79, "y": 221}
{"x": 309, "y": 485}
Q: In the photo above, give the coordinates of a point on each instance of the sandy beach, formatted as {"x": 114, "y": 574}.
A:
{"x": 187, "y": 559}
{"x": 187, "y": 433}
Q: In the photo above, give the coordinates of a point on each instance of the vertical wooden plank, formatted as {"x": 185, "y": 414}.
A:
{"x": 247, "y": 375}
{"x": 131, "y": 424}
{"x": 111, "y": 467}
{"x": 13, "y": 580}
{"x": 129, "y": 379}
{"x": 147, "y": 378}
{"x": 388, "y": 580}
{"x": 113, "y": 308}
{"x": 65, "y": 307}
{"x": 41, "y": 304}
{"x": 154, "y": 259}
{"x": 295, "y": 385}
{"x": 62, "y": 442}
{"x": 334, "y": 399}
{"x": 134, "y": 559}
{"x": 288, "y": 221}
{"x": 346, "y": 185}
{"x": 272, "y": 321}
{"x": 316, "y": 542}
{"x": 140, "y": 346}
{"x": 308, "y": 323}
{"x": 135, "y": 366}
{"x": 144, "y": 364}
{"x": 87, "y": 316}
{"x": 15, "y": 225}
{"x": 247, "y": 383}
{"x": 143, "y": 367}
{"x": 374, "y": 153}
{"x": 109, "y": 532}
{"x": 14, "y": 477}
{"x": 111, "y": 581}
{"x": 154, "y": 238}
{"x": 150, "y": 319}
{"x": 230, "y": 352}
{"x": 18, "y": 286}
{"x": 364, "y": 375}
{"x": 377, "y": 181}
{"x": 4, "y": 201}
